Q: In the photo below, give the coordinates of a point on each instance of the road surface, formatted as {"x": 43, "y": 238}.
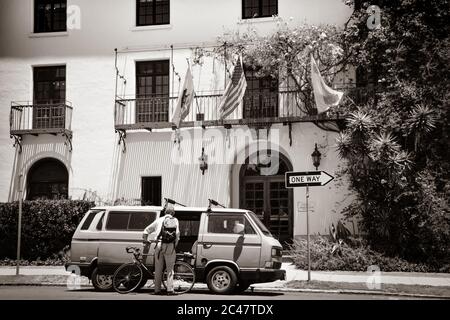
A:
{"x": 86, "y": 293}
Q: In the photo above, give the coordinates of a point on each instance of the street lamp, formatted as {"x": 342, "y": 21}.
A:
{"x": 316, "y": 157}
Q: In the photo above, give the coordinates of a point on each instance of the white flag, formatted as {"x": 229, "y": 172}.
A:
{"x": 184, "y": 100}
{"x": 324, "y": 96}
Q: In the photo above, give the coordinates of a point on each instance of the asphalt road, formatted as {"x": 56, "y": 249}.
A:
{"x": 62, "y": 293}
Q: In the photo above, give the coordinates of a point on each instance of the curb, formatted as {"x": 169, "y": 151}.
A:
{"x": 344, "y": 291}
{"x": 262, "y": 289}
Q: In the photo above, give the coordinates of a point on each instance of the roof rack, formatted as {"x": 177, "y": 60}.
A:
{"x": 171, "y": 201}
{"x": 214, "y": 203}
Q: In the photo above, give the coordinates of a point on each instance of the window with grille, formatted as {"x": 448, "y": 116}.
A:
{"x": 259, "y": 8}
{"x": 50, "y": 15}
{"x": 152, "y": 12}
{"x": 152, "y": 91}
{"x": 151, "y": 191}
{"x": 49, "y": 95}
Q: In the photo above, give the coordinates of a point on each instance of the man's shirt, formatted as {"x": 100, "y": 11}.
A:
{"x": 156, "y": 226}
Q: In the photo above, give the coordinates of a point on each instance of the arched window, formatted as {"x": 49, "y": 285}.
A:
{"x": 47, "y": 179}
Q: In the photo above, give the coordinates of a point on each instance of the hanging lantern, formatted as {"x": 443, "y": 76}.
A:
{"x": 203, "y": 161}
{"x": 316, "y": 155}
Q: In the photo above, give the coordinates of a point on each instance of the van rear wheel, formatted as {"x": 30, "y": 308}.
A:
{"x": 221, "y": 280}
{"x": 101, "y": 282}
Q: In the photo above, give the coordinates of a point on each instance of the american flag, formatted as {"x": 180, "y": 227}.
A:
{"x": 234, "y": 91}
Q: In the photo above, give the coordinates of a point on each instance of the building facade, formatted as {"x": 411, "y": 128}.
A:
{"x": 88, "y": 88}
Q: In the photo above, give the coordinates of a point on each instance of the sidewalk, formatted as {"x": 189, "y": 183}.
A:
{"x": 405, "y": 278}
{"x": 324, "y": 281}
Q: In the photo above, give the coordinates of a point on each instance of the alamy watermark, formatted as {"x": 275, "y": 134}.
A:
{"x": 374, "y": 19}
{"x": 73, "y": 17}
{"x": 259, "y": 147}
{"x": 373, "y": 282}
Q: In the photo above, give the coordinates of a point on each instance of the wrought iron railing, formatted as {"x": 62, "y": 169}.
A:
{"x": 26, "y": 117}
{"x": 266, "y": 106}
{"x": 156, "y": 111}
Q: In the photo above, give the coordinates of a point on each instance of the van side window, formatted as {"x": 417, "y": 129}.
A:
{"x": 89, "y": 219}
{"x": 117, "y": 221}
{"x": 225, "y": 223}
{"x": 129, "y": 221}
{"x": 140, "y": 220}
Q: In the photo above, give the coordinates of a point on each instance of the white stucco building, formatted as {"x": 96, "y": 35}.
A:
{"x": 57, "y": 100}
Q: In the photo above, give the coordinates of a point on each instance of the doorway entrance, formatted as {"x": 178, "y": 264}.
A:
{"x": 268, "y": 198}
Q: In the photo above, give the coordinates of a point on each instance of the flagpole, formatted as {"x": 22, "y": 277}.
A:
{"x": 173, "y": 73}
{"x": 225, "y": 59}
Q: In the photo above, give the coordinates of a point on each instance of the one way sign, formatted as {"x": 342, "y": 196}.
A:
{"x": 303, "y": 179}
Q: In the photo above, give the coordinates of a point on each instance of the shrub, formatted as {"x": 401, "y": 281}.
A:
{"x": 354, "y": 256}
{"x": 47, "y": 227}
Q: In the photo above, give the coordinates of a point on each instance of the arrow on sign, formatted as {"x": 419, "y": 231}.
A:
{"x": 310, "y": 178}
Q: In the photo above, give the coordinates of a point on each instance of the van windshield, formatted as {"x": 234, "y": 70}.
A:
{"x": 261, "y": 225}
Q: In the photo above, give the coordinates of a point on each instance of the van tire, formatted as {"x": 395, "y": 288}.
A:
{"x": 221, "y": 280}
{"x": 99, "y": 281}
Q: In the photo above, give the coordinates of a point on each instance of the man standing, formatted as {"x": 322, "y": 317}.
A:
{"x": 167, "y": 234}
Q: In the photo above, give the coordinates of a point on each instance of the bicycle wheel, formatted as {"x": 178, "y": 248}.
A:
{"x": 183, "y": 277}
{"x": 127, "y": 277}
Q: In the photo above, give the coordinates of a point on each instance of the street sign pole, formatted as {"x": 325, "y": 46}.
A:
{"x": 306, "y": 179}
{"x": 307, "y": 233}
{"x": 19, "y": 225}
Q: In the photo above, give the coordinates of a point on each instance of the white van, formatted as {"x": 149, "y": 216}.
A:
{"x": 231, "y": 244}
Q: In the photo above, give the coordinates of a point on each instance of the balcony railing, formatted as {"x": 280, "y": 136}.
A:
{"x": 155, "y": 111}
{"x": 28, "y": 118}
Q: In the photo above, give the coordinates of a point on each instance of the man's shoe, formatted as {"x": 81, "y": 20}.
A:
{"x": 158, "y": 293}
{"x": 171, "y": 293}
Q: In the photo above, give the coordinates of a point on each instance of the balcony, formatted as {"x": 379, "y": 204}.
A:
{"x": 28, "y": 118}
{"x": 154, "y": 112}
{"x": 34, "y": 119}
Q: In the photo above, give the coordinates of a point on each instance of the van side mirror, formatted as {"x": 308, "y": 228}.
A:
{"x": 238, "y": 228}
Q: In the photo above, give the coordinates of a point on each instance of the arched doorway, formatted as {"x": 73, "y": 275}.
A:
{"x": 47, "y": 179}
{"x": 267, "y": 196}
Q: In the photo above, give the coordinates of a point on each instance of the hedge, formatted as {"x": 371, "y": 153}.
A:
{"x": 353, "y": 256}
{"x": 47, "y": 227}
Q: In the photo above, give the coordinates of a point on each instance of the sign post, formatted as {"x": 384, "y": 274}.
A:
{"x": 307, "y": 179}
{"x": 19, "y": 225}
{"x": 307, "y": 234}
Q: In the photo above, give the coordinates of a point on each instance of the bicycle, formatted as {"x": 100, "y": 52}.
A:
{"x": 130, "y": 276}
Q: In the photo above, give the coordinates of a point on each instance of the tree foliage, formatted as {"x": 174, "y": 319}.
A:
{"x": 285, "y": 55}
{"x": 396, "y": 145}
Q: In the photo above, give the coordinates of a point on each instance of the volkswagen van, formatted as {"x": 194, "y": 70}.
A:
{"x": 232, "y": 248}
